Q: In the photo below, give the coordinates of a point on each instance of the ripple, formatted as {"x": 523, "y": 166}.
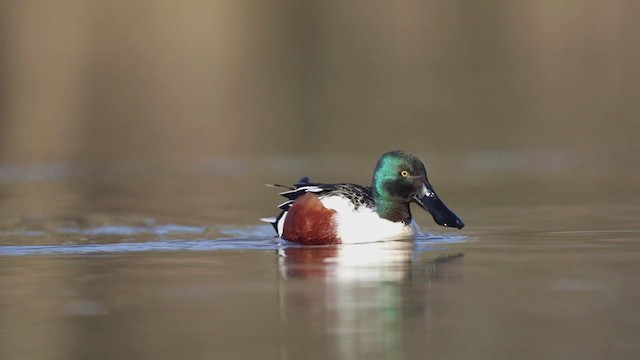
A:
{"x": 120, "y": 230}
{"x": 423, "y": 242}
{"x": 147, "y": 246}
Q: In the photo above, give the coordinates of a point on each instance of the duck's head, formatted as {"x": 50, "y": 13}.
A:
{"x": 399, "y": 179}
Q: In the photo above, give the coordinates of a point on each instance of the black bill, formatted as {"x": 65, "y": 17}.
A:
{"x": 442, "y": 215}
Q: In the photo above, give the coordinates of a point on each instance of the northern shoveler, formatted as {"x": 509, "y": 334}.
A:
{"x": 323, "y": 214}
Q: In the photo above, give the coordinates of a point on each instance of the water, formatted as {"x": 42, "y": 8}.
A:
{"x": 127, "y": 273}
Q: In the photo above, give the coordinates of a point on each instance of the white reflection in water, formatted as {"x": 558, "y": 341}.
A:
{"x": 368, "y": 297}
{"x": 377, "y": 261}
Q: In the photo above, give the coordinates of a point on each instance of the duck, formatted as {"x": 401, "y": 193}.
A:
{"x": 345, "y": 213}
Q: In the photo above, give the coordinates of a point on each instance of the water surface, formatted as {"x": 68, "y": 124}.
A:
{"x": 133, "y": 270}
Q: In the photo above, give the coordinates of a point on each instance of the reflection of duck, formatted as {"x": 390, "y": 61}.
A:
{"x": 363, "y": 299}
{"x": 321, "y": 214}
{"x": 389, "y": 260}
{"x": 379, "y": 261}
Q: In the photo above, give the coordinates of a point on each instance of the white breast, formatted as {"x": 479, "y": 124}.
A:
{"x": 364, "y": 224}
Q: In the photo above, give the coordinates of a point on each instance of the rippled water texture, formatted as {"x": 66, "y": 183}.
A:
{"x": 188, "y": 270}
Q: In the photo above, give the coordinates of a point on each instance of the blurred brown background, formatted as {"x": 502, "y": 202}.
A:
{"x": 95, "y": 81}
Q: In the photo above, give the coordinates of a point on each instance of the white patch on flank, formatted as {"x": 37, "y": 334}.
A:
{"x": 281, "y": 224}
{"x": 364, "y": 224}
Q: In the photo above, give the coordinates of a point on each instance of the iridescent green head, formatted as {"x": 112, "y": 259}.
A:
{"x": 401, "y": 178}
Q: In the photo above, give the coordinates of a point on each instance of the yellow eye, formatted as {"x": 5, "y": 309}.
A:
{"x": 404, "y": 173}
